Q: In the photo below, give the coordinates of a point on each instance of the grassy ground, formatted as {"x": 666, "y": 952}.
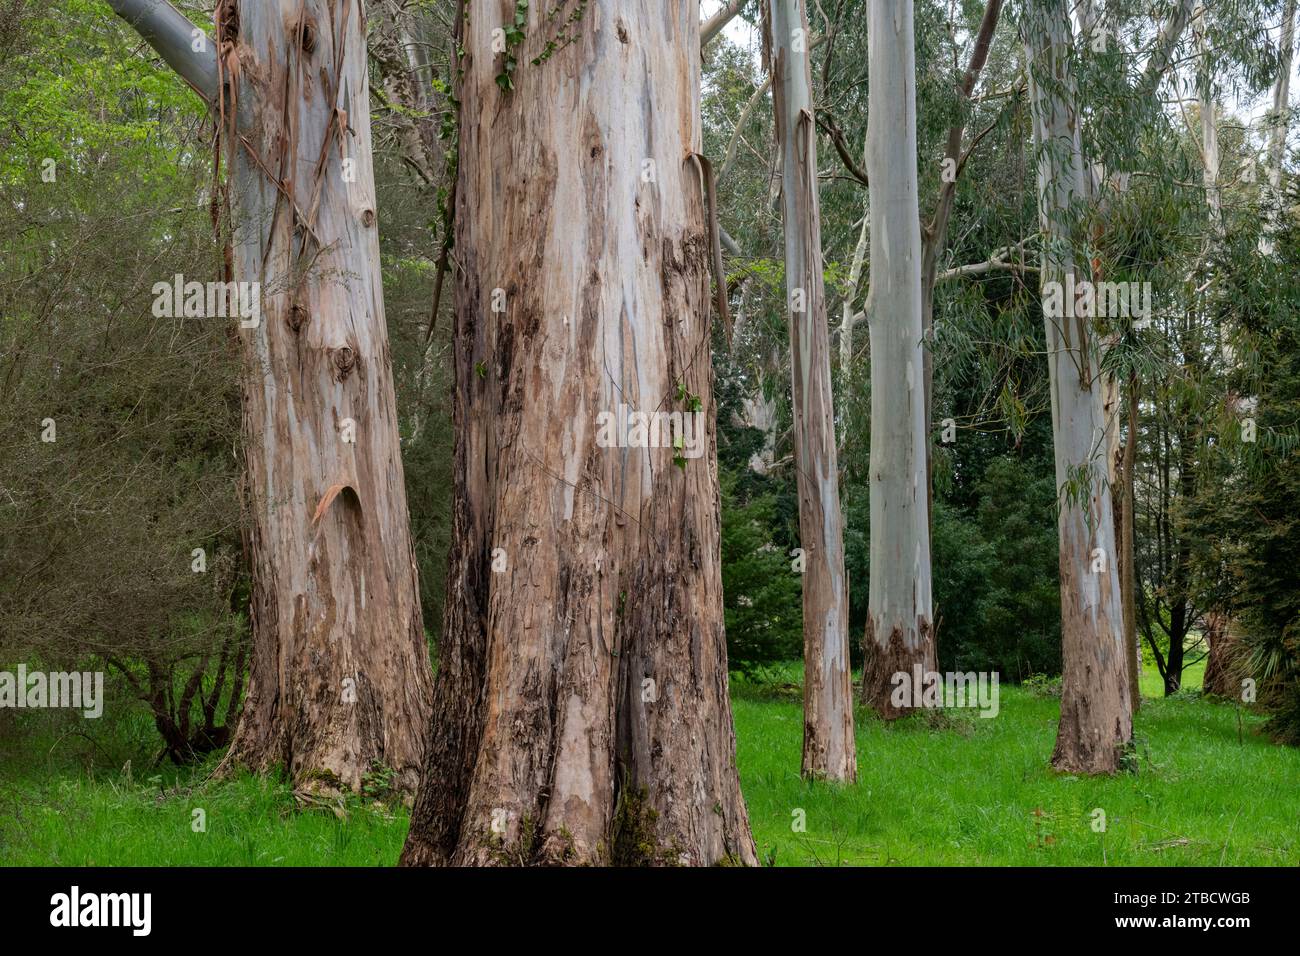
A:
{"x": 945, "y": 789}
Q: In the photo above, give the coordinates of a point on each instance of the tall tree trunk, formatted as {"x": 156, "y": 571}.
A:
{"x": 339, "y": 677}
{"x": 1279, "y": 120}
{"x": 581, "y": 709}
{"x": 1281, "y": 100}
{"x": 828, "y": 744}
{"x": 1126, "y": 560}
{"x": 900, "y": 612}
{"x": 1096, "y": 719}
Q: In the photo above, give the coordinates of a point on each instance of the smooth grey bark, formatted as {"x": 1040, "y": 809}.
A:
{"x": 1208, "y": 118}
{"x": 1279, "y": 116}
{"x": 173, "y": 36}
{"x": 1281, "y": 98}
{"x": 900, "y": 611}
{"x": 829, "y": 749}
{"x": 714, "y": 25}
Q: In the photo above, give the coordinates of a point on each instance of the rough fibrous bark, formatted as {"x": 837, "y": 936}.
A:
{"x": 339, "y": 680}
{"x": 829, "y": 750}
{"x": 1096, "y": 718}
{"x": 900, "y": 612}
{"x": 581, "y": 703}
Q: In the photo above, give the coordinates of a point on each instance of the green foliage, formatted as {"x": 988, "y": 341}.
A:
{"x": 762, "y": 593}
{"x": 99, "y": 526}
{"x": 1249, "y": 545}
{"x": 995, "y": 572}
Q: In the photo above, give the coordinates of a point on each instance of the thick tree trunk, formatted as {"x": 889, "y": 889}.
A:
{"x": 900, "y": 614}
{"x": 1096, "y": 719}
{"x": 581, "y": 709}
{"x": 828, "y": 744}
{"x": 339, "y": 680}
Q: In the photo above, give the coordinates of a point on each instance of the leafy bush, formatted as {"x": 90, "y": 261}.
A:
{"x": 762, "y": 595}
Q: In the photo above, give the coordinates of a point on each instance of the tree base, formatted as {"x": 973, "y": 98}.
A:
{"x": 883, "y": 660}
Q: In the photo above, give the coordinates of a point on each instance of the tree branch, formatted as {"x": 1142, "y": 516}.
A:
{"x": 172, "y": 35}
{"x": 1162, "y": 54}
{"x": 831, "y": 129}
{"x": 711, "y": 27}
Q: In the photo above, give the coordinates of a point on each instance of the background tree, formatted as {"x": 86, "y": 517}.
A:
{"x": 829, "y": 749}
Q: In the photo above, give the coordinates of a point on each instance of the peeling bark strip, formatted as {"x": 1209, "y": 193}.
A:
{"x": 900, "y": 610}
{"x": 581, "y": 709}
{"x": 829, "y": 748}
{"x": 1096, "y": 720}
{"x": 340, "y": 676}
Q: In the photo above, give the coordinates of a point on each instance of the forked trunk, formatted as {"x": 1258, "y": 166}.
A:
{"x": 900, "y": 612}
{"x": 581, "y": 708}
{"x": 1096, "y": 719}
{"x": 828, "y": 744}
{"x": 339, "y": 681}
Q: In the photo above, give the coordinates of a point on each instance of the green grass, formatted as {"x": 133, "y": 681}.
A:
{"x": 941, "y": 789}
{"x": 961, "y": 790}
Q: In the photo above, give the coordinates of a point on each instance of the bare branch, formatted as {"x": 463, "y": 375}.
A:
{"x": 711, "y": 27}
{"x": 174, "y": 37}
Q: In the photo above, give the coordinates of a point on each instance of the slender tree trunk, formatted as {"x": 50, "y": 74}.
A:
{"x": 1208, "y": 117}
{"x": 1281, "y": 100}
{"x": 581, "y": 709}
{"x": 828, "y": 744}
{"x": 1127, "y": 566}
{"x": 900, "y": 614}
{"x": 848, "y": 318}
{"x": 1096, "y": 719}
{"x": 339, "y": 677}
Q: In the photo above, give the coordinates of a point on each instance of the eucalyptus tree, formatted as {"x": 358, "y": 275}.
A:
{"x": 1095, "y": 726}
{"x": 581, "y": 709}
{"x": 828, "y": 743}
{"x": 900, "y": 615}
{"x": 339, "y": 679}
{"x": 1280, "y": 114}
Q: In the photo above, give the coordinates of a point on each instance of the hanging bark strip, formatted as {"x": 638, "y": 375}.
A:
{"x": 581, "y": 709}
